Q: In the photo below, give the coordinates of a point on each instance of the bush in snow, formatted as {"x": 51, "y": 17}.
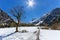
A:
{"x": 23, "y": 31}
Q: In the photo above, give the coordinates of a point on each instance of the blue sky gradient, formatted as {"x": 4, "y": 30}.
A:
{"x": 39, "y": 9}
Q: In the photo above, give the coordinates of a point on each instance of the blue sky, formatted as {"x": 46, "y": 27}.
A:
{"x": 39, "y": 9}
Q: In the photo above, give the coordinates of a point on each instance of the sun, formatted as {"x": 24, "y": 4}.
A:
{"x": 30, "y": 3}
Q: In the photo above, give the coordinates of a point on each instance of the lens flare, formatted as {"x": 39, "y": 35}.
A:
{"x": 30, "y": 3}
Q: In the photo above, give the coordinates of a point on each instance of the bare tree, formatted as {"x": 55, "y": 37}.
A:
{"x": 17, "y": 12}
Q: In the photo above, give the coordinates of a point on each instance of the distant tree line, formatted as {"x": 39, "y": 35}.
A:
{"x": 13, "y": 24}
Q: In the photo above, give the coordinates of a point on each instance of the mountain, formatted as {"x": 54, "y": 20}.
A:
{"x": 39, "y": 20}
{"x": 49, "y": 19}
{"x": 4, "y": 18}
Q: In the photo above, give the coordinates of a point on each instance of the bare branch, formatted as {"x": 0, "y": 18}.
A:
{"x": 17, "y": 12}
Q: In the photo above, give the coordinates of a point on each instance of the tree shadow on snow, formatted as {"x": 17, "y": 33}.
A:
{"x": 8, "y": 35}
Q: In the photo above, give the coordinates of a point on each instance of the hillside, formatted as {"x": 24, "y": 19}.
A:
{"x": 50, "y": 18}
{"x": 4, "y": 18}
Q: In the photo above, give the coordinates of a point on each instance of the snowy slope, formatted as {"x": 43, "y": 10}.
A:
{"x": 39, "y": 20}
{"x": 39, "y": 23}
{"x": 49, "y": 18}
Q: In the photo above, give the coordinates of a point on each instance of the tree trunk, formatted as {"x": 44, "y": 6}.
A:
{"x": 16, "y": 28}
{"x": 17, "y": 25}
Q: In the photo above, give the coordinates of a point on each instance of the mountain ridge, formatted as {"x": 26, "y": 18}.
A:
{"x": 49, "y": 18}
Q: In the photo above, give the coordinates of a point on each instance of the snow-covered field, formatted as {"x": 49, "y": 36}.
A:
{"x": 49, "y": 34}
{"x": 30, "y": 35}
{"x": 18, "y": 36}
